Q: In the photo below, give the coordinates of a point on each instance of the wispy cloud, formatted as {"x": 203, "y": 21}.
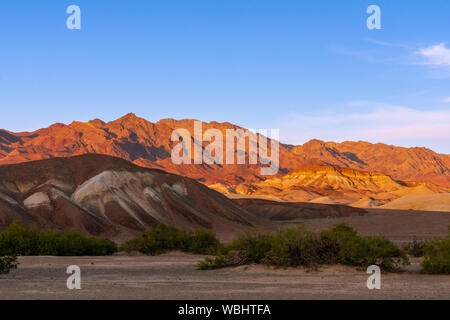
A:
{"x": 436, "y": 55}
{"x": 368, "y": 56}
{"x": 386, "y": 44}
{"x": 377, "y": 122}
{"x": 446, "y": 100}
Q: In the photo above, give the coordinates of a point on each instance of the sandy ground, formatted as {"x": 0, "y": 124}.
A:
{"x": 397, "y": 225}
{"x": 174, "y": 276}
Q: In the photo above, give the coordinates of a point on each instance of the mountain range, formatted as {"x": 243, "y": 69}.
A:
{"x": 357, "y": 173}
{"x": 107, "y": 196}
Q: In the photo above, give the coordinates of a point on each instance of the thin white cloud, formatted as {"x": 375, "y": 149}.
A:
{"x": 436, "y": 55}
{"x": 386, "y": 44}
{"x": 377, "y": 122}
{"x": 360, "y": 54}
{"x": 446, "y": 100}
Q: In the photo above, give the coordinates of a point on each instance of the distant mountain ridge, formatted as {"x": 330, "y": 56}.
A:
{"x": 148, "y": 144}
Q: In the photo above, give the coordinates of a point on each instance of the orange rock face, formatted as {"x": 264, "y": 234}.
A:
{"x": 148, "y": 144}
{"x": 333, "y": 185}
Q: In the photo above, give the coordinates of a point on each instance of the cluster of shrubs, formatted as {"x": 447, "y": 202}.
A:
{"x": 8, "y": 263}
{"x": 436, "y": 254}
{"x": 293, "y": 247}
{"x": 164, "y": 238}
{"x": 415, "y": 248}
{"x": 437, "y": 257}
{"x": 287, "y": 247}
{"x": 19, "y": 239}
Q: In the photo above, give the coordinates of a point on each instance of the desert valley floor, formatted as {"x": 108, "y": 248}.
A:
{"x": 174, "y": 275}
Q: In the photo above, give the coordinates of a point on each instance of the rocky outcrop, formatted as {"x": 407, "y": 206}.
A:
{"x": 106, "y": 196}
{"x": 148, "y": 144}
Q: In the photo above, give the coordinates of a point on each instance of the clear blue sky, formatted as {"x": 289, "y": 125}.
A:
{"x": 310, "y": 68}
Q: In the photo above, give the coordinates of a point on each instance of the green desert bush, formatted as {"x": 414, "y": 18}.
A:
{"x": 8, "y": 263}
{"x": 415, "y": 248}
{"x": 165, "y": 238}
{"x": 250, "y": 248}
{"x": 202, "y": 242}
{"x": 292, "y": 247}
{"x": 154, "y": 241}
{"x": 253, "y": 246}
{"x": 29, "y": 241}
{"x": 437, "y": 256}
{"x": 218, "y": 262}
{"x": 363, "y": 251}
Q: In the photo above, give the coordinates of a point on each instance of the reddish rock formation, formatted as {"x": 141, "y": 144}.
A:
{"x": 148, "y": 144}
{"x": 365, "y": 169}
{"x": 106, "y": 196}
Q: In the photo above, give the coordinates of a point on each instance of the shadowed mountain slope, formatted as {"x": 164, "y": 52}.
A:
{"x": 288, "y": 211}
{"x": 106, "y": 196}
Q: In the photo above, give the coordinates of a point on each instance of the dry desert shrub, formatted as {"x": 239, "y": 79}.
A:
{"x": 8, "y": 263}
{"x": 293, "y": 247}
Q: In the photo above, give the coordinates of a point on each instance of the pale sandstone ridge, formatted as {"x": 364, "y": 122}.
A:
{"x": 428, "y": 202}
{"x": 332, "y": 185}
